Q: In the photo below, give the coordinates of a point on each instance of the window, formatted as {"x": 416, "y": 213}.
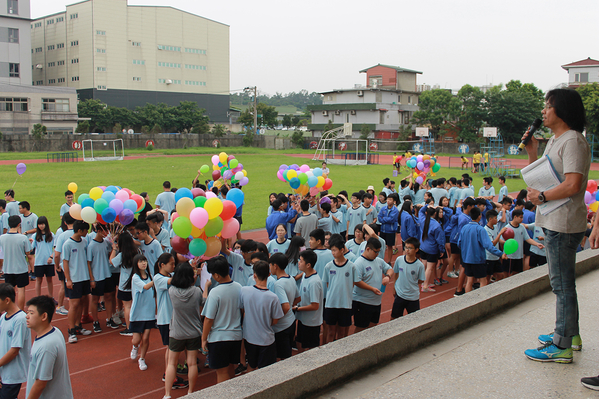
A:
{"x": 37, "y": 25}
{"x": 51, "y": 47}
{"x": 38, "y": 49}
{"x": 74, "y": 16}
{"x": 200, "y": 67}
{"x": 51, "y": 81}
{"x": 51, "y": 64}
{"x": 194, "y": 83}
{"x": 101, "y": 32}
{"x": 399, "y": 99}
{"x": 75, "y": 61}
{"x": 75, "y": 79}
{"x": 169, "y": 64}
{"x": 169, "y": 81}
{"x": 136, "y": 79}
{"x": 59, "y": 19}
{"x": 75, "y": 43}
{"x": 13, "y": 35}
{"x": 409, "y": 99}
{"x": 102, "y": 87}
{"x": 59, "y": 63}
{"x": 60, "y": 80}
{"x": 14, "y": 104}
{"x": 195, "y": 51}
{"x": 136, "y": 44}
{"x": 581, "y": 77}
{"x": 55, "y": 104}
{"x": 139, "y": 62}
{"x": 12, "y": 6}
{"x": 168, "y": 48}
{"x": 101, "y": 69}
{"x": 13, "y": 70}
{"x": 376, "y": 81}
{"x": 101, "y": 50}
{"x": 39, "y": 82}
{"x": 60, "y": 45}
{"x": 49, "y": 22}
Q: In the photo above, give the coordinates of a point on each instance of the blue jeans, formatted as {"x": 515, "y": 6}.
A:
{"x": 561, "y": 261}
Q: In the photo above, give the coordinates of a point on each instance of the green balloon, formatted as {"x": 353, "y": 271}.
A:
{"x": 303, "y": 178}
{"x": 199, "y": 201}
{"x": 81, "y": 198}
{"x": 205, "y": 169}
{"x": 233, "y": 163}
{"x": 197, "y": 247}
{"x": 510, "y": 246}
{"x": 436, "y": 167}
{"x": 100, "y": 205}
{"x": 213, "y": 227}
{"x": 182, "y": 227}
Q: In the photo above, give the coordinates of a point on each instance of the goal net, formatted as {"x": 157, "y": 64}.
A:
{"x": 103, "y": 150}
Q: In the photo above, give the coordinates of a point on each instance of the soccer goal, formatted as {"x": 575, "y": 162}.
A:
{"x": 103, "y": 150}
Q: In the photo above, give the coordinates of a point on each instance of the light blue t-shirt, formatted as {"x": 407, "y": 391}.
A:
{"x": 164, "y": 307}
{"x": 28, "y": 223}
{"x": 372, "y": 215}
{"x": 274, "y": 246}
{"x": 151, "y": 251}
{"x": 65, "y": 208}
{"x": 311, "y": 291}
{"x": 166, "y": 200}
{"x": 164, "y": 239}
{"x": 143, "y": 307}
{"x": 349, "y": 255}
{"x": 61, "y": 239}
{"x": 76, "y": 253}
{"x": 340, "y": 280}
{"x": 419, "y": 196}
{"x": 241, "y": 271}
{"x": 371, "y": 272}
{"x": 437, "y": 193}
{"x": 286, "y": 290}
{"x": 14, "y": 246}
{"x": 454, "y": 196}
{"x": 466, "y": 192}
{"x": 270, "y": 282}
{"x": 98, "y": 253}
{"x": 381, "y": 253}
{"x": 353, "y": 247}
{"x": 3, "y": 223}
{"x": 293, "y": 270}
{"x": 355, "y": 217}
{"x": 261, "y": 306}
{"x": 222, "y": 306}
{"x": 49, "y": 363}
{"x": 43, "y": 250}
{"x": 502, "y": 193}
{"x": 12, "y": 208}
{"x": 326, "y": 223}
{"x": 125, "y": 273}
{"x": 406, "y": 286}
{"x": 485, "y": 192}
{"x": 324, "y": 256}
{"x": 492, "y": 233}
{"x": 15, "y": 334}
{"x": 538, "y": 232}
{"x": 520, "y": 234}
{"x": 337, "y": 227}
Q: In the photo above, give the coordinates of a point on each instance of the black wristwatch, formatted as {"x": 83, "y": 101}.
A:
{"x": 542, "y": 197}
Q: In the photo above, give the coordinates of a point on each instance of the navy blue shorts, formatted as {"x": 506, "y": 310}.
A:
{"x": 308, "y": 336}
{"x": 44, "y": 270}
{"x": 337, "y": 316}
{"x": 124, "y": 295}
{"x": 364, "y": 314}
{"x": 260, "y": 356}
{"x": 223, "y": 353}
{"x": 389, "y": 238}
{"x": 476, "y": 270}
{"x": 164, "y": 331}
{"x": 140, "y": 326}
{"x": 10, "y": 391}
{"x": 20, "y": 280}
{"x": 79, "y": 289}
{"x": 99, "y": 289}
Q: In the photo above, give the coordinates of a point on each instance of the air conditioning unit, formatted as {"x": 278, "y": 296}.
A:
{"x": 168, "y": 82}
{"x": 337, "y": 112}
{"x": 360, "y": 93}
{"x": 353, "y": 112}
{"x": 325, "y": 113}
{"x": 39, "y": 66}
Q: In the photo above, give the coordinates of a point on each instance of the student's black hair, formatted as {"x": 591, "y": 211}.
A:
{"x": 133, "y": 224}
{"x": 468, "y": 202}
{"x": 474, "y": 213}
{"x": 337, "y": 241}
{"x": 142, "y": 226}
{"x": 373, "y": 243}
{"x": 430, "y": 200}
{"x": 223, "y": 191}
{"x": 7, "y": 291}
{"x": 68, "y": 192}
{"x": 240, "y": 242}
{"x": 218, "y": 265}
{"x": 281, "y": 225}
{"x": 143, "y": 194}
{"x": 278, "y": 259}
{"x": 202, "y": 186}
{"x": 309, "y": 257}
{"x": 155, "y": 217}
{"x": 441, "y": 200}
{"x": 441, "y": 181}
{"x": 403, "y": 183}
{"x": 506, "y": 201}
{"x": 516, "y": 213}
{"x": 437, "y": 215}
{"x": 136, "y": 270}
{"x": 367, "y": 195}
{"x": 488, "y": 179}
{"x": 293, "y": 252}
{"x": 568, "y": 106}
{"x": 385, "y": 181}
{"x": 466, "y": 181}
{"x": 258, "y": 255}
{"x": 80, "y": 225}
{"x": 433, "y": 183}
{"x": 25, "y": 205}
{"x": 453, "y": 180}
{"x": 318, "y": 235}
{"x": 261, "y": 270}
{"x": 166, "y": 184}
{"x": 414, "y": 242}
{"x": 392, "y": 182}
{"x": 326, "y": 207}
{"x": 261, "y": 247}
{"x": 100, "y": 226}
{"x": 491, "y": 213}
{"x": 383, "y": 194}
{"x": 343, "y": 192}
{"x": 270, "y": 195}
{"x": 276, "y": 204}
{"x": 184, "y": 276}
{"x": 45, "y": 235}
{"x": 375, "y": 227}
{"x": 163, "y": 259}
{"x": 2, "y": 204}
{"x": 427, "y": 221}
{"x": 249, "y": 246}
{"x": 68, "y": 219}
{"x": 358, "y": 228}
{"x": 283, "y": 198}
{"x": 405, "y": 207}
{"x": 127, "y": 249}
{"x": 480, "y": 201}
{"x": 304, "y": 205}
{"x": 43, "y": 304}
{"x": 519, "y": 202}
{"x": 528, "y": 205}
{"x": 357, "y": 195}
{"x": 416, "y": 187}
{"x": 466, "y": 175}
{"x": 522, "y": 194}
{"x": 10, "y": 193}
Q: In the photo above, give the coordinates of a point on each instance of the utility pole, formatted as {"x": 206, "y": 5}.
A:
{"x": 255, "y": 90}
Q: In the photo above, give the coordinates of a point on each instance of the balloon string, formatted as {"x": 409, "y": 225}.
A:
{"x": 13, "y": 185}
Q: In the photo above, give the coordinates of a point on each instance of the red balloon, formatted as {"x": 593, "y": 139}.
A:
{"x": 216, "y": 175}
{"x": 229, "y": 210}
{"x": 509, "y": 233}
{"x": 591, "y": 186}
{"x": 180, "y": 245}
{"x": 99, "y": 219}
{"x": 198, "y": 192}
{"x": 328, "y": 183}
{"x": 138, "y": 200}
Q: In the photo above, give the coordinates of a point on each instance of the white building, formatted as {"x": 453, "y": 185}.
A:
{"x": 582, "y": 72}
{"x": 15, "y": 37}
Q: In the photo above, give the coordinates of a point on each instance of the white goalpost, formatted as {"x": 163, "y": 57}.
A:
{"x": 105, "y": 150}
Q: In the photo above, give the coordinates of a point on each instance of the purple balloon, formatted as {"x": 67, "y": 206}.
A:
{"x": 427, "y": 163}
{"x": 420, "y": 165}
{"x": 244, "y": 181}
{"x": 588, "y": 198}
{"x": 294, "y": 166}
{"x": 227, "y": 175}
{"x": 21, "y": 168}
{"x": 419, "y": 180}
{"x": 126, "y": 216}
{"x": 282, "y": 167}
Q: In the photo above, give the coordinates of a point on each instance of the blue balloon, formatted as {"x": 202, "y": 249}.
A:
{"x": 108, "y": 215}
{"x": 108, "y": 196}
{"x": 183, "y": 192}
{"x": 317, "y": 172}
{"x": 131, "y": 205}
{"x": 112, "y": 189}
{"x": 312, "y": 181}
{"x": 88, "y": 202}
{"x": 294, "y": 183}
{"x": 237, "y": 196}
{"x": 597, "y": 195}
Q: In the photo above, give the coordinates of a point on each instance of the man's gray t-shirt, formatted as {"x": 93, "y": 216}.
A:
{"x": 305, "y": 225}
{"x": 569, "y": 153}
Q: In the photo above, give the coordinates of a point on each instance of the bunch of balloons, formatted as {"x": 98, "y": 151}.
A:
{"x": 591, "y": 196}
{"x": 511, "y": 245}
{"x": 423, "y": 165}
{"x": 106, "y": 205}
{"x": 225, "y": 168}
{"x": 201, "y": 217}
{"x": 304, "y": 180}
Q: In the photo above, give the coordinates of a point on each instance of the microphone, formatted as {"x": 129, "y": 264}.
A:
{"x": 533, "y": 128}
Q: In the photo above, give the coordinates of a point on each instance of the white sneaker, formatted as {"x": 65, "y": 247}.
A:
{"x": 142, "y": 364}
{"x": 62, "y": 311}
{"x": 72, "y": 338}
{"x": 116, "y": 319}
{"x": 452, "y": 274}
{"x": 134, "y": 353}
{"x": 83, "y": 331}
{"x": 121, "y": 313}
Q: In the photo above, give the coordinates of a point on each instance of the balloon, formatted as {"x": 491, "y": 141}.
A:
{"x": 197, "y": 247}
{"x": 283, "y": 167}
{"x": 290, "y": 174}
{"x": 317, "y": 172}
{"x": 426, "y": 157}
{"x": 95, "y": 193}
{"x": 594, "y": 206}
{"x": 117, "y": 205}
{"x": 508, "y": 233}
{"x": 139, "y": 201}
{"x": 591, "y": 186}
{"x": 75, "y": 211}
{"x": 419, "y": 180}
{"x": 126, "y": 216}
{"x": 112, "y": 189}
{"x": 280, "y": 176}
{"x": 227, "y": 175}
{"x": 180, "y": 245}
{"x": 303, "y": 178}
{"x": 312, "y": 181}
{"x": 213, "y": 227}
{"x": 122, "y": 195}
{"x": 108, "y": 196}
{"x": 198, "y": 217}
{"x": 174, "y": 216}
{"x": 436, "y": 167}
{"x": 87, "y": 203}
{"x": 239, "y": 175}
{"x": 88, "y": 215}
{"x": 216, "y": 175}
{"x": 510, "y": 246}
{"x": 198, "y": 192}
{"x": 222, "y": 157}
{"x": 204, "y": 169}
{"x": 314, "y": 191}
{"x": 320, "y": 181}
{"x": 328, "y": 183}
{"x": 215, "y": 167}
{"x": 130, "y": 204}
{"x": 597, "y": 196}
{"x": 233, "y": 163}
{"x": 419, "y": 158}
{"x": 229, "y": 210}
{"x": 214, "y": 207}
{"x": 108, "y": 215}
{"x": 100, "y": 205}
{"x": 213, "y": 247}
{"x": 237, "y": 196}
{"x": 588, "y": 197}
{"x": 21, "y": 168}
{"x": 210, "y": 194}
{"x": 81, "y": 198}
{"x": 215, "y": 160}
{"x": 184, "y": 207}
{"x": 427, "y": 163}
{"x": 182, "y": 227}
{"x": 245, "y": 181}
{"x": 304, "y": 168}
{"x": 420, "y": 165}
{"x": 183, "y": 193}
{"x": 199, "y": 201}
{"x": 294, "y": 183}
{"x": 73, "y": 187}
{"x": 230, "y": 228}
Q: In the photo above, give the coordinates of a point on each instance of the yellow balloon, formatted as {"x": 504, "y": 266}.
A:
{"x": 320, "y": 181}
{"x": 222, "y": 157}
{"x": 216, "y": 167}
{"x": 246, "y": 173}
{"x": 290, "y": 175}
{"x": 415, "y": 174}
{"x": 432, "y": 163}
{"x": 184, "y": 206}
{"x": 214, "y": 207}
{"x": 73, "y": 187}
{"x": 218, "y": 183}
{"x": 594, "y": 206}
{"x": 95, "y": 193}
{"x": 425, "y": 157}
{"x": 195, "y": 232}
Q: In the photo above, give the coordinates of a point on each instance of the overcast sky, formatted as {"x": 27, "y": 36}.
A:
{"x": 320, "y": 45}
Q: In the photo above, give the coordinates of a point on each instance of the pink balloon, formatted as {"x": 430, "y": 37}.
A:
{"x": 314, "y": 191}
{"x": 198, "y": 192}
{"x": 230, "y": 228}
{"x": 215, "y": 159}
{"x": 419, "y": 158}
{"x": 117, "y": 205}
{"x": 174, "y": 216}
{"x": 122, "y": 195}
{"x": 304, "y": 168}
{"x": 280, "y": 176}
{"x": 210, "y": 194}
{"x": 198, "y": 217}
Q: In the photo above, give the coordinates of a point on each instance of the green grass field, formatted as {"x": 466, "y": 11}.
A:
{"x": 44, "y": 184}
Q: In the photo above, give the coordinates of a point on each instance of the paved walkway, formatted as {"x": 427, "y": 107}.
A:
{"x": 487, "y": 360}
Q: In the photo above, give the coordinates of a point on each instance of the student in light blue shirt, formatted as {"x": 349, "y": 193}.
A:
{"x": 354, "y": 244}
{"x": 241, "y": 265}
{"x": 326, "y": 221}
{"x": 280, "y": 243}
{"x": 437, "y": 190}
{"x": 150, "y": 247}
{"x": 369, "y": 232}
{"x": 418, "y": 197}
{"x": 356, "y": 215}
{"x": 12, "y": 206}
{"x": 16, "y": 248}
{"x": 487, "y": 191}
{"x": 163, "y": 273}
{"x": 467, "y": 190}
{"x": 503, "y": 190}
{"x": 15, "y": 344}
{"x": 297, "y": 244}
{"x": 324, "y": 255}
{"x": 98, "y": 252}
{"x": 406, "y": 189}
{"x": 338, "y": 225}
{"x": 43, "y": 244}
{"x": 222, "y": 332}
{"x": 371, "y": 212}
{"x": 309, "y": 310}
{"x": 155, "y": 220}
{"x": 166, "y": 199}
{"x": 28, "y": 219}
{"x": 48, "y": 375}
{"x": 121, "y": 257}
{"x": 380, "y": 204}
{"x": 64, "y": 232}
{"x": 408, "y": 272}
{"x": 66, "y": 207}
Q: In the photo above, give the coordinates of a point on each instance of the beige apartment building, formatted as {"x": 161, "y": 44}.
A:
{"x": 128, "y": 56}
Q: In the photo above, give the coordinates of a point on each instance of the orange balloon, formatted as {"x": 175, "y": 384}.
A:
{"x": 213, "y": 247}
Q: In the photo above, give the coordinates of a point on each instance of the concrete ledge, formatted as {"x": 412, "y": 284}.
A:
{"x": 322, "y": 367}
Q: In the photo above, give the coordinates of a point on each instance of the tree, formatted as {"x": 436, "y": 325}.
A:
{"x": 267, "y": 116}
{"x": 286, "y": 120}
{"x": 201, "y": 127}
{"x": 295, "y": 121}
{"x": 97, "y": 111}
{"x": 364, "y": 132}
{"x": 328, "y": 126}
{"x": 218, "y": 130}
{"x": 473, "y": 112}
{"x": 39, "y": 131}
{"x": 187, "y": 115}
{"x": 297, "y": 138}
{"x": 436, "y": 107}
{"x": 590, "y": 99}
{"x": 82, "y": 127}
{"x": 248, "y": 138}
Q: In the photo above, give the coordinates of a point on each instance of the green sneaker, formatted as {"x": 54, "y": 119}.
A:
{"x": 545, "y": 339}
{"x": 549, "y": 353}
